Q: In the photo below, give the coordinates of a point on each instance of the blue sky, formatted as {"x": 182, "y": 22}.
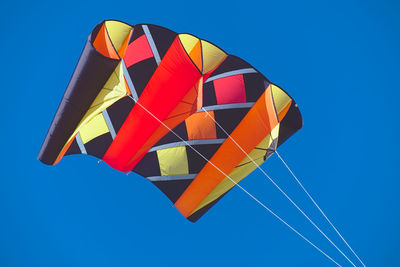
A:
{"x": 338, "y": 59}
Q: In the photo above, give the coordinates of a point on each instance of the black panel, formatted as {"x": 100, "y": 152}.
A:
{"x": 96, "y": 30}
{"x": 255, "y": 85}
{"x": 180, "y": 130}
{"x": 99, "y": 145}
{"x": 162, "y": 37}
{"x": 137, "y": 32}
{"x": 173, "y": 189}
{"x": 231, "y": 63}
{"x": 148, "y": 165}
{"x": 209, "y": 97}
{"x": 73, "y": 149}
{"x": 141, "y": 73}
{"x": 196, "y": 162}
{"x": 291, "y": 123}
{"x": 119, "y": 111}
{"x": 228, "y": 119}
{"x": 89, "y": 77}
{"x": 195, "y": 216}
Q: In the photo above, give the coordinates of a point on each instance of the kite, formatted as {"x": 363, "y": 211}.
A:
{"x": 173, "y": 108}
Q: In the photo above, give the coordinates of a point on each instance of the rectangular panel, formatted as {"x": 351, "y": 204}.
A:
{"x": 173, "y": 161}
{"x": 230, "y": 89}
{"x": 201, "y": 126}
{"x": 95, "y": 127}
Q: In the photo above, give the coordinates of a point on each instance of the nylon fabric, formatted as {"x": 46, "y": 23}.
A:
{"x": 176, "y": 71}
{"x": 257, "y": 124}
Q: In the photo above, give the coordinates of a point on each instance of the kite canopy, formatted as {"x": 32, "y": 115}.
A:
{"x": 146, "y": 99}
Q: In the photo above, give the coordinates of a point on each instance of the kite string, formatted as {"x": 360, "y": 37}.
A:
{"x": 315, "y": 203}
{"x": 235, "y": 183}
{"x": 277, "y": 186}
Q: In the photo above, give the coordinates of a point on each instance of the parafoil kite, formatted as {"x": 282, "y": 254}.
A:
{"x": 173, "y": 108}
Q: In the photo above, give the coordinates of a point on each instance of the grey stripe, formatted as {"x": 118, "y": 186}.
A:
{"x": 109, "y": 124}
{"x": 152, "y": 44}
{"x": 190, "y": 142}
{"x": 129, "y": 81}
{"x": 171, "y": 177}
{"x": 228, "y": 106}
{"x": 230, "y": 73}
{"x": 80, "y": 144}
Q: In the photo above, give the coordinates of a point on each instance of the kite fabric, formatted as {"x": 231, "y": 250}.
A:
{"x": 149, "y": 100}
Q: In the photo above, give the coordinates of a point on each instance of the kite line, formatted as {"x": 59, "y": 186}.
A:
{"x": 277, "y": 186}
{"x": 235, "y": 183}
{"x": 315, "y": 203}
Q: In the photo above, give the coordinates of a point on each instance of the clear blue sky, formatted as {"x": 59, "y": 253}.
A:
{"x": 339, "y": 60}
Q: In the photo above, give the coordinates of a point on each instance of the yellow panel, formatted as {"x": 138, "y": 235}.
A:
{"x": 246, "y": 167}
{"x": 173, "y": 161}
{"x": 212, "y": 56}
{"x": 113, "y": 90}
{"x": 95, "y": 127}
{"x": 275, "y": 132}
{"x": 281, "y": 99}
{"x": 268, "y": 140}
{"x": 118, "y": 32}
{"x": 188, "y": 41}
{"x": 124, "y": 46}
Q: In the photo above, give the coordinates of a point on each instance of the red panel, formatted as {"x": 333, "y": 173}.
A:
{"x": 137, "y": 51}
{"x": 230, "y": 89}
{"x": 171, "y": 81}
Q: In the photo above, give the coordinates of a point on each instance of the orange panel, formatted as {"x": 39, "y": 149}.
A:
{"x": 195, "y": 55}
{"x": 103, "y": 44}
{"x": 257, "y": 124}
{"x": 200, "y": 95}
{"x": 201, "y": 126}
